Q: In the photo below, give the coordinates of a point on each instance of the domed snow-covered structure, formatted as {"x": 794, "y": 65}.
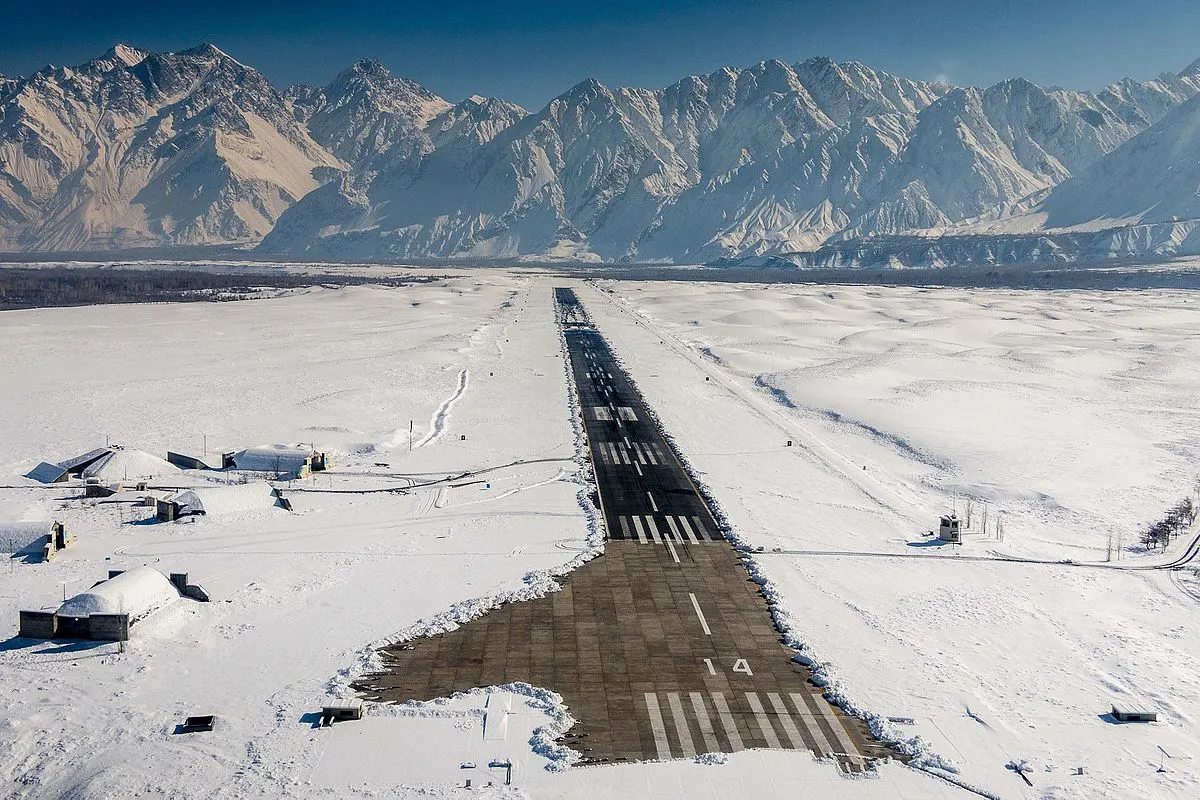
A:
{"x": 121, "y": 463}
{"x": 138, "y": 593}
{"x": 219, "y": 501}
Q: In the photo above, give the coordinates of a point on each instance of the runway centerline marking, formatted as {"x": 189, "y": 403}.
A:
{"x": 653, "y": 505}
{"x": 700, "y": 614}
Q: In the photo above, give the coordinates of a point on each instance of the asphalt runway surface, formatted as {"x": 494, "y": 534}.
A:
{"x": 663, "y": 647}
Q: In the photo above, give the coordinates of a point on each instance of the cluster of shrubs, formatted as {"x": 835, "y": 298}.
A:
{"x": 1178, "y": 519}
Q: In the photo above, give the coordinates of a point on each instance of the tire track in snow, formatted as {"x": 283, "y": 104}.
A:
{"x": 437, "y": 425}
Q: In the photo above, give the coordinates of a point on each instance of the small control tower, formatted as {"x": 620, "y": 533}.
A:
{"x": 950, "y": 530}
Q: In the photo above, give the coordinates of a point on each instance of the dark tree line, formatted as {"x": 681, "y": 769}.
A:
{"x": 1178, "y": 519}
{"x": 59, "y": 286}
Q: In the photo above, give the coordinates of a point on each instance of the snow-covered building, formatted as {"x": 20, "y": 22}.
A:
{"x": 279, "y": 460}
{"x": 75, "y": 466}
{"x": 33, "y": 540}
{"x": 107, "y": 610}
{"x": 46, "y": 472}
{"x": 121, "y": 464}
{"x": 219, "y": 500}
{"x": 137, "y": 592}
{"x": 184, "y": 461}
{"x": 109, "y": 464}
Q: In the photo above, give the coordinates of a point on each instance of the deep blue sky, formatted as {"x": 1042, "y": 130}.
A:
{"x": 530, "y": 51}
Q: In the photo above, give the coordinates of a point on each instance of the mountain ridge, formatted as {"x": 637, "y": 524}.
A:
{"x": 150, "y": 149}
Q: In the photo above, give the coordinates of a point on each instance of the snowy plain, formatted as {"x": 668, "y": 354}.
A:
{"x": 1070, "y": 411}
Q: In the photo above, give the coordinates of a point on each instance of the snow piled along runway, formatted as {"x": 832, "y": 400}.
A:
{"x": 1073, "y": 412}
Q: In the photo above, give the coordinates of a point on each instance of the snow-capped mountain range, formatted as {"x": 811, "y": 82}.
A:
{"x": 141, "y": 149}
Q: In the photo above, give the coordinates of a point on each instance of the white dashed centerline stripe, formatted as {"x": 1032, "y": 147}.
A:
{"x": 638, "y": 467}
{"x": 700, "y": 614}
{"x": 657, "y": 727}
{"x": 653, "y": 505}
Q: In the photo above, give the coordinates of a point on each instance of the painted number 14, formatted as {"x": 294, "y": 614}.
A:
{"x": 738, "y": 666}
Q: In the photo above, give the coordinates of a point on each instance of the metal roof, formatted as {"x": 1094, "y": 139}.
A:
{"x": 46, "y": 472}
{"x": 80, "y": 462}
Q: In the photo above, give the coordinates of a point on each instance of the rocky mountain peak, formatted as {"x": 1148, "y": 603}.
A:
{"x": 138, "y": 148}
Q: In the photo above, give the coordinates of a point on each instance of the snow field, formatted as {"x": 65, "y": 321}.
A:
{"x": 300, "y": 600}
{"x": 1068, "y": 410}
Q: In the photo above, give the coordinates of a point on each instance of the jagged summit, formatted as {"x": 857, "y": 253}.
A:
{"x": 205, "y": 50}
{"x": 125, "y": 54}
{"x": 1192, "y": 70}
{"x": 139, "y": 148}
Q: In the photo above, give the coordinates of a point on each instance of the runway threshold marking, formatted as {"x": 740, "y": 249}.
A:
{"x": 657, "y": 727}
{"x": 700, "y": 614}
{"x": 686, "y": 745}
{"x": 706, "y": 726}
{"x": 764, "y": 724}
{"x": 802, "y": 709}
{"x": 727, "y": 722}
{"x": 785, "y": 719}
{"x": 671, "y": 547}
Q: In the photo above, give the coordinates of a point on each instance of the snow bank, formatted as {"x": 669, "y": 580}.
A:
{"x": 535, "y": 585}
{"x": 138, "y": 592}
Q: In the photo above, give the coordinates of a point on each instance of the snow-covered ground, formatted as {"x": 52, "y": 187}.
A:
{"x": 297, "y": 598}
{"x": 1070, "y": 412}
